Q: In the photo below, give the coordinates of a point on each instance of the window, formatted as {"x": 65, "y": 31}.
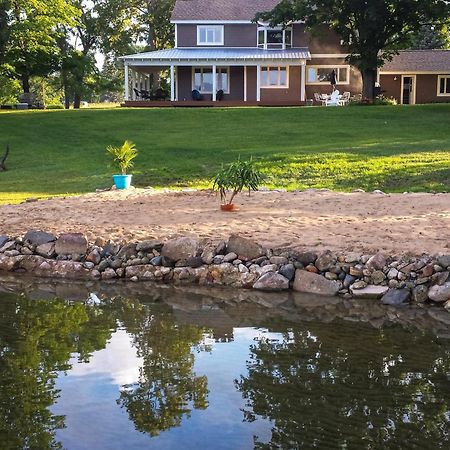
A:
{"x": 322, "y": 74}
{"x": 210, "y": 35}
{"x": 203, "y": 79}
{"x": 274, "y": 38}
{"x": 274, "y": 77}
{"x": 443, "y": 85}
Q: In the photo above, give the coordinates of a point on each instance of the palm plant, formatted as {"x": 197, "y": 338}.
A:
{"x": 123, "y": 156}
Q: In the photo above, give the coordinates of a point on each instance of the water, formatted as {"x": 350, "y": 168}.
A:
{"x": 183, "y": 368}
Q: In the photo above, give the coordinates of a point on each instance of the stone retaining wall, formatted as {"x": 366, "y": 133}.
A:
{"x": 240, "y": 262}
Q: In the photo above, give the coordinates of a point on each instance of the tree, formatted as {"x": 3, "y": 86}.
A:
{"x": 431, "y": 37}
{"x": 373, "y": 30}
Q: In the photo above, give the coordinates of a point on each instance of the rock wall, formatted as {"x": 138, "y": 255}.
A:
{"x": 240, "y": 263}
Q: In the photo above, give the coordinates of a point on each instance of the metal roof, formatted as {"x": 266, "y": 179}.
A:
{"x": 419, "y": 61}
{"x": 219, "y": 54}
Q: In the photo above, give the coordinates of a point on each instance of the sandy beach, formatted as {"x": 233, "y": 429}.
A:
{"x": 366, "y": 222}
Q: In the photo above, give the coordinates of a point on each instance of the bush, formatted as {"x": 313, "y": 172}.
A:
{"x": 382, "y": 100}
{"x": 55, "y": 106}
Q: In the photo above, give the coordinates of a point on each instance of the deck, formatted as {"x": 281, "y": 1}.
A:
{"x": 204, "y": 104}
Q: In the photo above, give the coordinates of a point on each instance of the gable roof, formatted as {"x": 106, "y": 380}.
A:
{"x": 419, "y": 61}
{"x": 220, "y": 9}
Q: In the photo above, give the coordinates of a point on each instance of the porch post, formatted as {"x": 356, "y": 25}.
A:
{"x": 214, "y": 82}
{"x": 245, "y": 83}
{"x": 172, "y": 83}
{"x": 258, "y": 83}
{"x": 176, "y": 83}
{"x": 303, "y": 83}
{"x": 133, "y": 84}
{"x": 127, "y": 83}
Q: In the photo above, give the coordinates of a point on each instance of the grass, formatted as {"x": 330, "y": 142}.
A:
{"x": 396, "y": 149}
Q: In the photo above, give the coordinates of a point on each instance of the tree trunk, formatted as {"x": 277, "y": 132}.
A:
{"x": 369, "y": 77}
{"x": 77, "y": 100}
{"x": 26, "y": 83}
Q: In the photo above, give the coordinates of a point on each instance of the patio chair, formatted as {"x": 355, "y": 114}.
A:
{"x": 196, "y": 95}
{"x": 159, "y": 94}
{"x": 137, "y": 93}
{"x": 344, "y": 99}
{"x": 334, "y": 99}
{"x": 219, "y": 95}
{"x": 318, "y": 98}
{"x": 145, "y": 95}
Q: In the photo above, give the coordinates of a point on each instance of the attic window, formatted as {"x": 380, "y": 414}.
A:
{"x": 209, "y": 34}
{"x": 271, "y": 38}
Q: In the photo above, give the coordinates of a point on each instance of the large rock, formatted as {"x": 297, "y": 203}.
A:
{"x": 376, "y": 262}
{"x": 181, "y": 248}
{"x": 325, "y": 261}
{"x": 46, "y": 250}
{"x": 305, "y": 257}
{"x": 439, "y": 293}
{"x": 314, "y": 284}
{"x": 370, "y": 291}
{"x": 272, "y": 282}
{"x": 396, "y": 297}
{"x": 71, "y": 243}
{"x": 244, "y": 248}
{"x": 38, "y": 237}
{"x": 444, "y": 261}
{"x": 3, "y": 240}
{"x": 127, "y": 251}
{"x": 149, "y": 245}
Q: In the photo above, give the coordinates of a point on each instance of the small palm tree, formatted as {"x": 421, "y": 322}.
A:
{"x": 123, "y": 156}
{"x": 233, "y": 178}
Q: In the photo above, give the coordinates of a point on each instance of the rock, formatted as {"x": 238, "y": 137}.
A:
{"x": 194, "y": 262}
{"x": 325, "y": 260}
{"x": 378, "y": 277}
{"x": 26, "y": 251}
{"x": 439, "y": 294}
{"x": 396, "y": 297}
{"x": 89, "y": 265}
{"x": 440, "y": 278}
{"x": 229, "y": 257}
{"x": 9, "y": 245}
{"x": 167, "y": 262}
{"x": 208, "y": 254}
{"x": 427, "y": 271}
{"x": 156, "y": 261}
{"x": 311, "y": 268}
{"x": 376, "y": 262}
{"x": 38, "y": 237}
{"x": 394, "y": 284}
{"x": 149, "y": 245}
{"x": 244, "y": 247}
{"x": 407, "y": 269}
{"x": 447, "y": 305}
{"x": 279, "y": 260}
{"x": 181, "y": 248}
{"x": 331, "y": 276}
{"x": 236, "y": 262}
{"x": 218, "y": 259}
{"x": 444, "y": 261}
{"x": 69, "y": 243}
{"x": 242, "y": 268}
{"x": 420, "y": 294}
{"x": 272, "y": 282}
{"x": 12, "y": 253}
{"x": 111, "y": 249}
{"x": 392, "y": 273}
{"x": 3, "y": 240}
{"x": 315, "y": 284}
{"x": 305, "y": 258}
{"x": 359, "y": 284}
{"x": 109, "y": 274}
{"x": 46, "y": 250}
{"x": 94, "y": 257}
{"x": 352, "y": 258}
{"x": 357, "y": 271}
{"x": 370, "y": 291}
{"x": 103, "y": 265}
{"x": 115, "y": 263}
{"x": 348, "y": 280}
{"x": 288, "y": 271}
{"x": 128, "y": 251}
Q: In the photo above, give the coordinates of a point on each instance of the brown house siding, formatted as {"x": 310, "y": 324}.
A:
{"x": 391, "y": 87}
{"x": 292, "y": 93}
{"x": 324, "y": 42}
{"x": 235, "y": 35}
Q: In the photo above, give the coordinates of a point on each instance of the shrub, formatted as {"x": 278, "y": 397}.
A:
{"x": 55, "y": 106}
{"x": 123, "y": 156}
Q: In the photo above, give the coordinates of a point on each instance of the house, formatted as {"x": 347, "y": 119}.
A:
{"x": 417, "y": 76}
{"x": 221, "y": 53}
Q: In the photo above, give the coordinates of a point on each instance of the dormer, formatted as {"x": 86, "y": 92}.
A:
{"x": 274, "y": 37}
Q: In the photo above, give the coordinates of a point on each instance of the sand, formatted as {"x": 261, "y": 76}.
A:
{"x": 366, "y": 222}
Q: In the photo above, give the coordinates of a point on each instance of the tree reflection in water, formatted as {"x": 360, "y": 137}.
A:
{"x": 168, "y": 389}
{"x": 326, "y": 387}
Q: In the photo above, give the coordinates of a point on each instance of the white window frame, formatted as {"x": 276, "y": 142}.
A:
{"x": 278, "y": 86}
{"x": 265, "y": 30}
{"x": 219, "y": 69}
{"x": 217, "y": 29}
{"x": 438, "y": 91}
{"x": 331, "y": 67}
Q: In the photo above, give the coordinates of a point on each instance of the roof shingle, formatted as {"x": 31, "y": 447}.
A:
{"x": 419, "y": 61}
{"x": 221, "y": 9}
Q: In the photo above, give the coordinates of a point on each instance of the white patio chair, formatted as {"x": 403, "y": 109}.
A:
{"x": 334, "y": 99}
{"x": 318, "y": 98}
{"x": 344, "y": 99}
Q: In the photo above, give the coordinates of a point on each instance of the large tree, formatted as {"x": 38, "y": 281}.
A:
{"x": 373, "y": 30}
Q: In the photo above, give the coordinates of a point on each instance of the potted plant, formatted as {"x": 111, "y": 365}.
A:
{"x": 233, "y": 178}
{"x": 123, "y": 159}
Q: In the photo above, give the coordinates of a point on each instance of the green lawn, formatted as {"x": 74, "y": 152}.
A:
{"x": 390, "y": 148}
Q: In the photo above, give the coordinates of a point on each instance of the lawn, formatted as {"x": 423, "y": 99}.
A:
{"x": 396, "y": 149}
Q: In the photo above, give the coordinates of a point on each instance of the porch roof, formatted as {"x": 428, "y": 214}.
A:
{"x": 188, "y": 56}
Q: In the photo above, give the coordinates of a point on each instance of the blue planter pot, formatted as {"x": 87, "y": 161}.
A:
{"x": 122, "y": 181}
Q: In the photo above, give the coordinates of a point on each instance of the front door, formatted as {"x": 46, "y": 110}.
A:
{"x": 408, "y": 90}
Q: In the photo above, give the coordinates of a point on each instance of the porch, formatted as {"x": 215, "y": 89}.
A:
{"x": 205, "y": 103}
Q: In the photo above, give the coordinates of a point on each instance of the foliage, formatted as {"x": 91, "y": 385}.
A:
{"x": 123, "y": 156}
{"x": 382, "y": 100}
{"x": 373, "y": 31}
{"x": 392, "y": 149}
{"x": 9, "y": 87}
{"x": 435, "y": 36}
{"x": 235, "y": 177}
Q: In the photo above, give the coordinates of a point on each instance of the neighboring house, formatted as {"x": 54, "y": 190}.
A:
{"x": 219, "y": 49}
{"x": 417, "y": 76}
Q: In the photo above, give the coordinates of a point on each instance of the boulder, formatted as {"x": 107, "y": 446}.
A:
{"x": 288, "y": 271}
{"x": 71, "y": 243}
{"x": 305, "y": 257}
{"x": 376, "y": 262}
{"x": 181, "y": 248}
{"x": 149, "y": 245}
{"x": 245, "y": 248}
{"x": 313, "y": 283}
{"x": 396, "y": 297}
{"x": 46, "y": 250}
{"x": 94, "y": 257}
{"x": 439, "y": 293}
{"x": 127, "y": 251}
{"x": 272, "y": 282}
{"x": 370, "y": 291}
{"x": 38, "y": 237}
{"x": 444, "y": 261}
{"x": 325, "y": 261}
{"x": 194, "y": 262}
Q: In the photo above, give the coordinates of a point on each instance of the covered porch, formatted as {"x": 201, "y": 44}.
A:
{"x": 222, "y": 77}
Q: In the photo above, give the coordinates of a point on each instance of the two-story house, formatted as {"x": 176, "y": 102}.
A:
{"x": 221, "y": 53}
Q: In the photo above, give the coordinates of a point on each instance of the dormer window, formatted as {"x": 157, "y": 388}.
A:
{"x": 209, "y": 34}
{"x": 274, "y": 38}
